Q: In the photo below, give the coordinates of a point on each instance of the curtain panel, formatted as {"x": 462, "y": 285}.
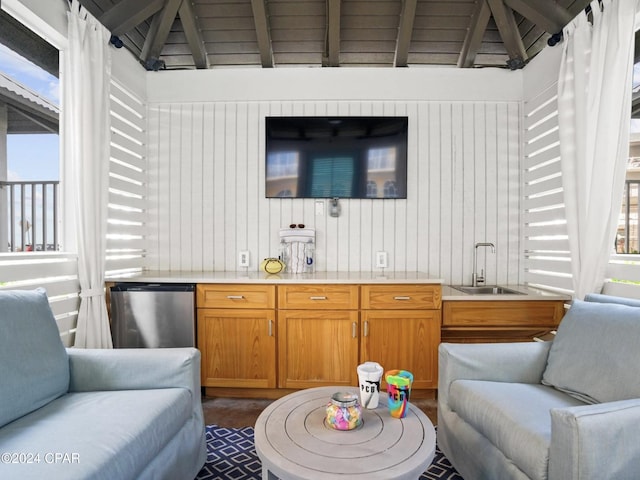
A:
{"x": 594, "y": 113}
{"x": 87, "y": 72}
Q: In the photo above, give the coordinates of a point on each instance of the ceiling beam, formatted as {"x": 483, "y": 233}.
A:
{"x": 544, "y": 13}
{"x": 125, "y": 16}
{"x": 261, "y": 21}
{"x": 475, "y": 32}
{"x": 405, "y": 31}
{"x": 332, "y": 42}
{"x": 159, "y": 31}
{"x": 509, "y": 33}
{"x": 23, "y": 41}
{"x": 577, "y": 7}
{"x": 193, "y": 35}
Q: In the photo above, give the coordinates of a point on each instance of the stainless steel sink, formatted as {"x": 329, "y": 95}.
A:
{"x": 486, "y": 290}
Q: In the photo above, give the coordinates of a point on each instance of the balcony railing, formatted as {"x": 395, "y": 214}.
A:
{"x": 29, "y": 216}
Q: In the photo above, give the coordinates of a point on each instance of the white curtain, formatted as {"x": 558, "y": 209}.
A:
{"x": 594, "y": 113}
{"x": 86, "y": 74}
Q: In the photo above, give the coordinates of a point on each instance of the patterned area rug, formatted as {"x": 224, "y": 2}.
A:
{"x": 232, "y": 456}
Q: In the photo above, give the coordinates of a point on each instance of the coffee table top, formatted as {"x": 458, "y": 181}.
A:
{"x": 293, "y": 442}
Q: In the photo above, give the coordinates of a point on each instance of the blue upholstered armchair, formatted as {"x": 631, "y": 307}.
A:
{"x": 562, "y": 410}
{"x": 93, "y": 414}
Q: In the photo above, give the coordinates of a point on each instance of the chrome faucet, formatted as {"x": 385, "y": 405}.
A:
{"x": 475, "y": 278}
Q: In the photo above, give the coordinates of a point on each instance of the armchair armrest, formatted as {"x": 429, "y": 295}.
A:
{"x": 135, "y": 369}
{"x": 522, "y": 362}
{"x": 595, "y": 441}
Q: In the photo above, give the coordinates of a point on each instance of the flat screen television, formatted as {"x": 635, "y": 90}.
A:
{"x": 336, "y": 157}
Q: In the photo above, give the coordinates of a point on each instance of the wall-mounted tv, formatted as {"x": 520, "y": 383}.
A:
{"x": 343, "y": 157}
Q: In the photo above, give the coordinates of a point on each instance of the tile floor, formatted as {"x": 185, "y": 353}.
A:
{"x": 243, "y": 412}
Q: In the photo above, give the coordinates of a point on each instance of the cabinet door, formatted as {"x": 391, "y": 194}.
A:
{"x": 317, "y": 348}
{"x": 238, "y": 347}
{"x": 406, "y": 340}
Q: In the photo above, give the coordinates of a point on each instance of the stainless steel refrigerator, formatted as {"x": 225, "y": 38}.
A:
{"x": 153, "y": 315}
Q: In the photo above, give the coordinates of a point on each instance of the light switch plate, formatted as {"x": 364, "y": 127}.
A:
{"x": 381, "y": 260}
{"x": 243, "y": 259}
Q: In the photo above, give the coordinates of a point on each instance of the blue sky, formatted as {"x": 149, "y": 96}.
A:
{"x": 31, "y": 157}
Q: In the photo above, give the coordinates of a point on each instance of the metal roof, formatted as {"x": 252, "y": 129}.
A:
{"x": 27, "y": 111}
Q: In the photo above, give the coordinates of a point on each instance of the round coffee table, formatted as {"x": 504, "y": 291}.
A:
{"x": 293, "y": 441}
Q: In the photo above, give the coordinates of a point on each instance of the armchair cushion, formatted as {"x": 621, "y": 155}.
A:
{"x": 512, "y": 416}
{"x": 34, "y": 368}
{"x": 106, "y": 435}
{"x": 594, "y": 356}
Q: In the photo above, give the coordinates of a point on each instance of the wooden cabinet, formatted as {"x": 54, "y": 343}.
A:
{"x": 315, "y": 334}
{"x": 401, "y": 329}
{"x": 318, "y": 335}
{"x": 237, "y": 335}
{"x": 477, "y": 321}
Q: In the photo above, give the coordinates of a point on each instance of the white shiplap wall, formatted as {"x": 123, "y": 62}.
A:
{"x": 206, "y": 185}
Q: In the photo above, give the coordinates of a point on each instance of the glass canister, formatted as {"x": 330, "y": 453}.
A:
{"x": 344, "y": 411}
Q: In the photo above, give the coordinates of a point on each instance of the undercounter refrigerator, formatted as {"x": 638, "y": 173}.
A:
{"x": 153, "y": 315}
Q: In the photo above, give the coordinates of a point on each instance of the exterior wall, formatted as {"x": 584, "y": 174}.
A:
{"x": 547, "y": 260}
{"x": 206, "y": 169}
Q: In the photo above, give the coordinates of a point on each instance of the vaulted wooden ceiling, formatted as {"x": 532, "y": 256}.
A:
{"x": 177, "y": 34}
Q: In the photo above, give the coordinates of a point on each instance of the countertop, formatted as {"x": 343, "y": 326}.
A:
{"x": 525, "y": 293}
{"x": 279, "y": 278}
{"x": 448, "y": 292}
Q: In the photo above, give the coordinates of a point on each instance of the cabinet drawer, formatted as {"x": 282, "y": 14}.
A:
{"x": 515, "y": 313}
{"x": 236, "y": 296}
{"x": 391, "y": 297}
{"x": 318, "y": 297}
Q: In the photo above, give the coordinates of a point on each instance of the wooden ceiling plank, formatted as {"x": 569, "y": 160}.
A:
{"x": 193, "y": 34}
{"x": 124, "y": 16}
{"x": 261, "y": 20}
{"x": 405, "y": 31}
{"x": 332, "y": 48}
{"x": 544, "y": 13}
{"x": 475, "y": 33}
{"x": 509, "y": 32}
{"x": 159, "y": 31}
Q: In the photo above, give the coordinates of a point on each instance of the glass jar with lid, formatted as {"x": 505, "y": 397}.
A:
{"x": 344, "y": 411}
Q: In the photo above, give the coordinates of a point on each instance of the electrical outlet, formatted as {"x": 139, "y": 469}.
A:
{"x": 243, "y": 259}
{"x": 381, "y": 260}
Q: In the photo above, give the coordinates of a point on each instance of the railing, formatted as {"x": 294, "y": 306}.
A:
{"x": 29, "y": 216}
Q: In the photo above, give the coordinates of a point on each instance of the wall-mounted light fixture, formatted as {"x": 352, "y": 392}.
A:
{"x": 334, "y": 208}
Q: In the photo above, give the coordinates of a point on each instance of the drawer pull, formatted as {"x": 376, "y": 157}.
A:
{"x": 235, "y": 297}
{"x": 271, "y": 328}
{"x": 402, "y": 298}
{"x": 366, "y": 329}
{"x": 354, "y": 330}
{"x": 317, "y": 298}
